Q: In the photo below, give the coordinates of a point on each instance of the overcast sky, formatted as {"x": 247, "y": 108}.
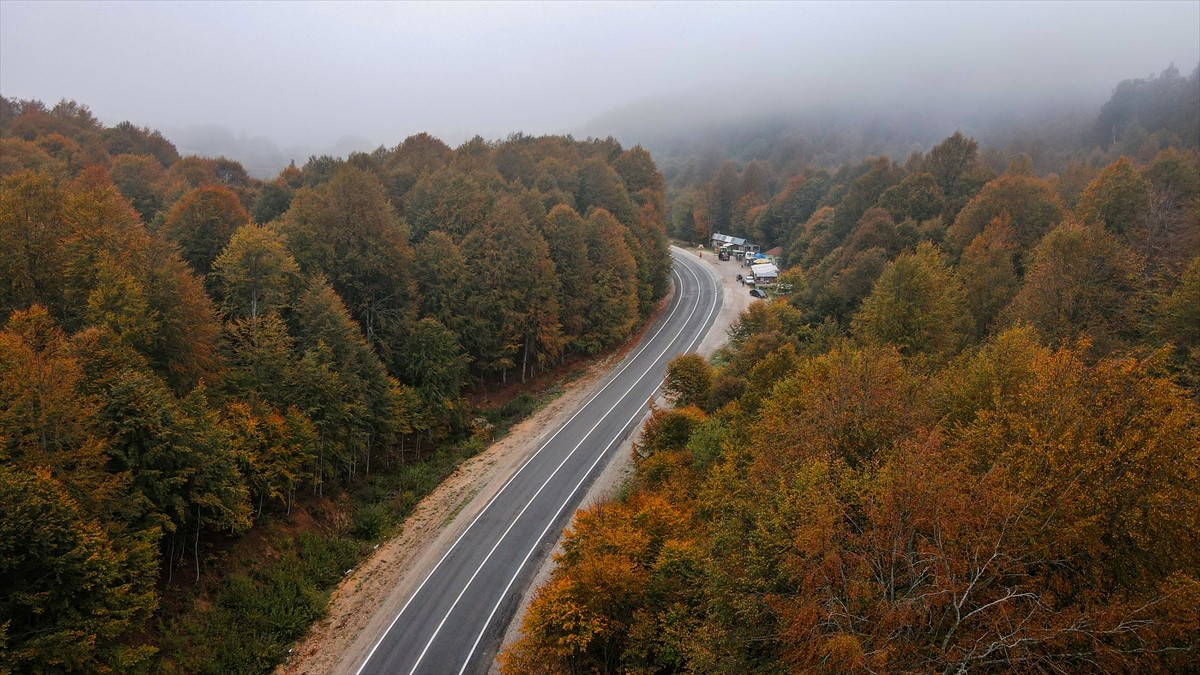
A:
{"x": 311, "y": 73}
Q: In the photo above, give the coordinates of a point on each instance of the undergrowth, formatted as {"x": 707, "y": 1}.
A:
{"x": 246, "y": 617}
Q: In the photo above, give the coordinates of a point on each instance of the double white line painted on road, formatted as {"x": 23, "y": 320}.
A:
{"x": 512, "y": 478}
{"x": 571, "y": 496}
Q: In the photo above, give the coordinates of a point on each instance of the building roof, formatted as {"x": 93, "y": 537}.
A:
{"x": 778, "y": 250}
{"x": 764, "y": 270}
{"x": 727, "y": 239}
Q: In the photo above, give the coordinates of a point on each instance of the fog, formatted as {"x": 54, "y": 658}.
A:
{"x": 267, "y": 82}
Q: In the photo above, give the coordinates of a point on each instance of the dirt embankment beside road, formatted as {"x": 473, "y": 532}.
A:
{"x": 736, "y": 298}
{"x": 364, "y": 604}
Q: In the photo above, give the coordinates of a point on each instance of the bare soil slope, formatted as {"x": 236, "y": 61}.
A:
{"x": 363, "y": 605}
{"x": 735, "y": 301}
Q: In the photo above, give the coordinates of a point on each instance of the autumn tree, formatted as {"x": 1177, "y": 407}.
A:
{"x": 1101, "y": 479}
{"x": 421, "y": 153}
{"x": 447, "y": 200}
{"x": 566, "y": 240}
{"x": 1168, "y": 236}
{"x": 989, "y": 273}
{"x": 128, "y": 138}
{"x": 515, "y": 311}
{"x": 878, "y": 175}
{"x": 260, "y": 359}
{"x": 184, "y": 346}
{"x": 18, "y": 156}
{"x": 436, "y": 365}
{"x": 202, "y": 222}
{"x": 918, "y": 305}
{"x": 584, "y": 618}
{"x": 813, "y": 239}
{"x": 32, "y": 260}
{"x": 641, "y": 178}
{"x": 600, "y": 187}
{"x": 1081, "y": 281}
{"x": 347, "y": 230}
{"x": 47, "y": 420}
{"x": 666, "y": 430}
{"x": 443, "y": 284}
{"x": 1180, "y": 312}
{"x": 647, "y": 239}
{"x": 118, "y": 302}
{"x": 76, "y": 593}
{"x": 338, "y": 362}
{"x": 272, "y": 201}
{"x": 837, "y": 291}
{"x": 953, "y": 163}
{"x": 683, "y": 221}
{"x": 846, "y": 405}
{"x": 1117, "y": 199}
{"x": 876, "y": 229}
{"x": 103, "y": 232}
{"x": 689, "y": 380}
{"x": 1031, "y": 204}
{"x": 612, "y": 311}
{"x": 1179, "y": 319}
{"x": 274, "y": 450}
{"x": 139, "y": 178}
{"x": 255, "y": 273}
{"x": 918, "y": 196}
{"x": 183, "y": 474}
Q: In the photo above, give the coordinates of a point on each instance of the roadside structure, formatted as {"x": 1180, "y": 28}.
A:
{"x": 738, "y": 247}
{"x": 763, "y": 273}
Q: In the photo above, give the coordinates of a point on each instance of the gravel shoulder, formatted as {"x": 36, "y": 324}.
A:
{"x": 735, "y": 299}
{"x": 362, "y": 607}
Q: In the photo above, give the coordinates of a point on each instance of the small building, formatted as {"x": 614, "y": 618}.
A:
{"x": 737, "y": 246}
{"x": 764, "y": 273}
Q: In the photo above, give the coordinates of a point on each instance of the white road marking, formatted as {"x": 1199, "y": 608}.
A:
{"x": 571, "y": 496}
{"x": 496, "y": 496}
{"x": 619, "y": 401}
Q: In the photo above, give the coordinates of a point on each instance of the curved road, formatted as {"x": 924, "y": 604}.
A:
{"x": 455, "y": 620}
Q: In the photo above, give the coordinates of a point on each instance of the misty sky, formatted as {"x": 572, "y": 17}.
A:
{"x": 311, "y": 73}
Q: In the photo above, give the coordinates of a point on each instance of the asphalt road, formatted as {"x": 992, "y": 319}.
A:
{"x": 455, "y": 620}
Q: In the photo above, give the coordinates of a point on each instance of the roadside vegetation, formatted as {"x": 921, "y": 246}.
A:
{"x": 968, "y": 439}
{"x": 216, "y": 393}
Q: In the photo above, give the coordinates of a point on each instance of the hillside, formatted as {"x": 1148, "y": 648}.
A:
{"x": 216, "y": 392}
{"x": 964, "y": 433}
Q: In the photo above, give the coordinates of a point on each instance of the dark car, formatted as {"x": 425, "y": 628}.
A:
{"x": 758, "y": 293}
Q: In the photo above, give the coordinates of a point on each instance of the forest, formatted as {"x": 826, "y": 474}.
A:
{"x": 965, "y": 436}
{"x": 195, "y": 364}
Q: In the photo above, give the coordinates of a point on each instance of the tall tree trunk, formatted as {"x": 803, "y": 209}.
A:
{"x": 320, "y": 470}
{"x": 524, "y": 361}
{"x": 196, "y": 547}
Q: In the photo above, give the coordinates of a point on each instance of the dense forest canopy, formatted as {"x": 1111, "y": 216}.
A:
{"x": 186, "y": 348}
{"x": 965, "y": 435}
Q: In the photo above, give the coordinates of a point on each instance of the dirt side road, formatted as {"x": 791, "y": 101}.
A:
{"x": 363, "y": 605}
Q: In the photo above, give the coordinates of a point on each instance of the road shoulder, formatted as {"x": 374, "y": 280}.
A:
{"x": 735, "y": 300}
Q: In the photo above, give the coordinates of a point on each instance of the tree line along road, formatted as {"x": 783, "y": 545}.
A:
{"x": 455, "y": 620}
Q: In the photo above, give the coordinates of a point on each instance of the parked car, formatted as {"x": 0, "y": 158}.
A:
{"x": 758, "y": 293}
